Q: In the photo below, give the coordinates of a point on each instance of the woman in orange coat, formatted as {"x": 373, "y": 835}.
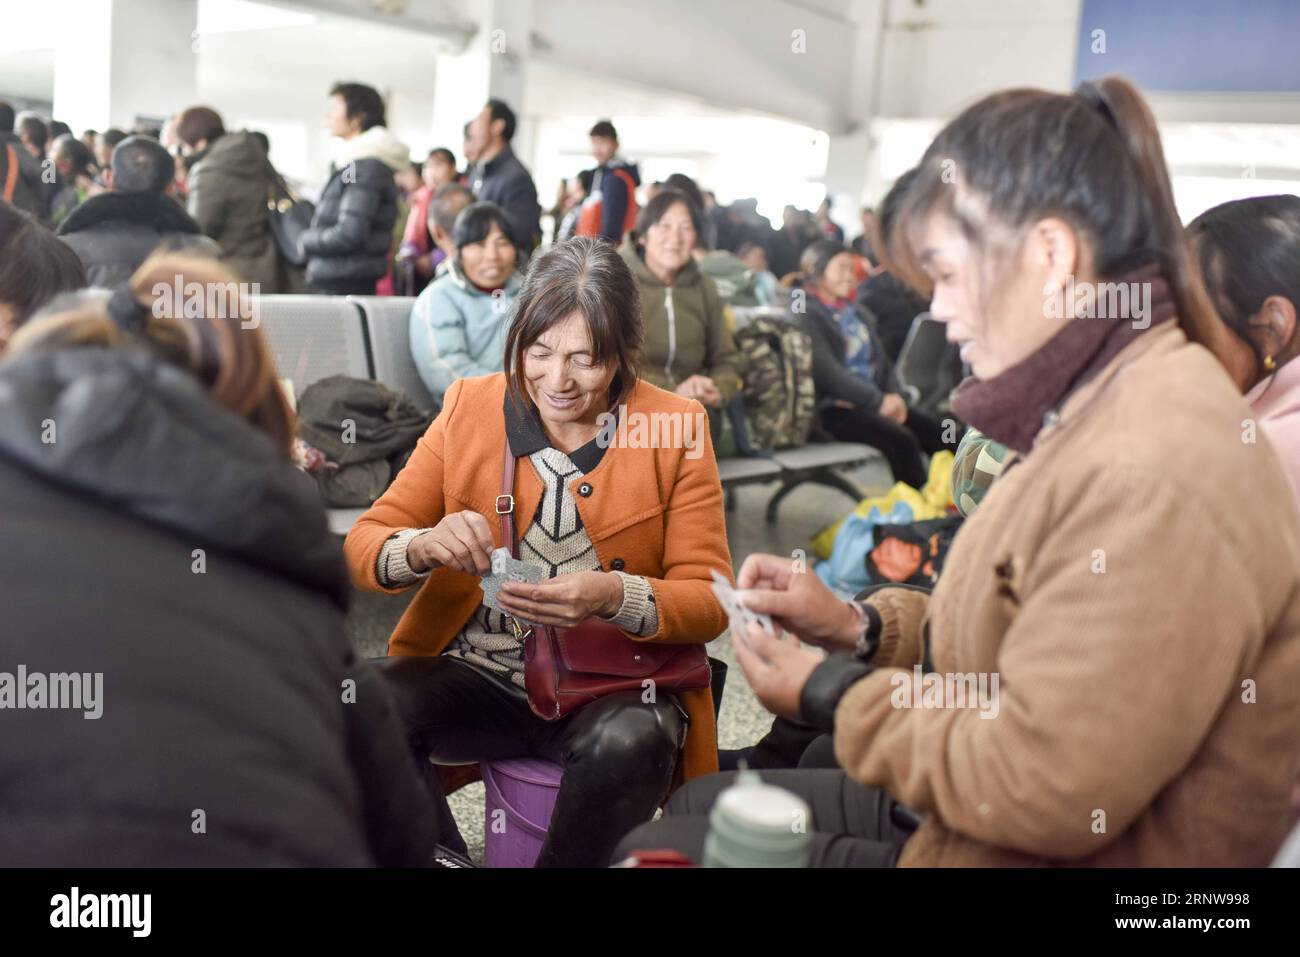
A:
{"x": 627, "y": 522}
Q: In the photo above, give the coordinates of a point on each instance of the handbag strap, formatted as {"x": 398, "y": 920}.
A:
{"x": 506, "y": 510}
{"x": 505, "y": 504}
{"x": 279, "y": 188}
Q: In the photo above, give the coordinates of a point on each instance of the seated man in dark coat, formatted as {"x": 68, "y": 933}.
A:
{"x": 114, "y": 232}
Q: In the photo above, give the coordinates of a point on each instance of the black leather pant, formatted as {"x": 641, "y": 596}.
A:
{"x": 618, "y": 753}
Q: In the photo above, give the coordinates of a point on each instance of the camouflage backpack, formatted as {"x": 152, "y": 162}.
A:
{"x": 779, "y": 394}
{"x": 978, "y": 462}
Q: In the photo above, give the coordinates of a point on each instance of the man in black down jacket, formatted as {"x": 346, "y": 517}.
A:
{"x": 114, "y": 232}
{"x": 161, "y": 541}
{"x": 351, "y": 234}
{"x": 499, "y": 177}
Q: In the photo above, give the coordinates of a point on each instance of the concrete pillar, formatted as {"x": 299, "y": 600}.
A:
{"x": 846, "y": 178}
{"x": 493, "y": 64}
{"x": 849, "y": 177}
{"x": 117, "y": 61}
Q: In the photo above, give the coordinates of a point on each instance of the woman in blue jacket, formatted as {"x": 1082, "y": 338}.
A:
{"x": 458, "y": 325}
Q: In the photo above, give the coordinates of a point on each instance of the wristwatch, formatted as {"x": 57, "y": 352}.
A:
{"x": 839, "y": 671}
{"x": 870, "y": 625}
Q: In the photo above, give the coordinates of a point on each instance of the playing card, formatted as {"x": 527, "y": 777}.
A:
{"x": 520, "y": 571}
{"x": 490, "y": 584}
{"x": 738, "y": 616}
{"x": 504, "y": 569}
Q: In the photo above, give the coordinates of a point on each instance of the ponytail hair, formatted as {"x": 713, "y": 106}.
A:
{"x": 1092, "y": 158}
{"x": 231, "y": 360}
{"x": 1136, "y": 126}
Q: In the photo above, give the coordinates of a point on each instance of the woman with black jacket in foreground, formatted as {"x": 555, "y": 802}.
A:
{"x": 173, "y": 607}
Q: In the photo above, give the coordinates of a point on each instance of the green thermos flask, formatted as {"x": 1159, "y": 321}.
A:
{"x": 753, "y": 824}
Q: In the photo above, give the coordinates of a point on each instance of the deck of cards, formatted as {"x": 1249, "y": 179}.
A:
{"x": 740, "y": 617}
{"x": 507, "y": 569}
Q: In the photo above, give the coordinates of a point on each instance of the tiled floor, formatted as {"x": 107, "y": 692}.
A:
{"x": 742, "y": 720}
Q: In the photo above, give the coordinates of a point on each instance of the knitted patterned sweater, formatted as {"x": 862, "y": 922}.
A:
{"x": 555, "y": 540}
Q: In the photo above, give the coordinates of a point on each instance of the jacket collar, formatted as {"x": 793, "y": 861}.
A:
{"x": 236, "y": 151}
{"x": 835, "y": 305}
{"x": 1157, "y": 341}
{"x": 817, "y": 310}
{"x": 161, "y": 213}
{"x": 619, "y": 163}
{"x": 633, "y": 255}
{"x": 525, "y": 434}
{"x": 497, "y": 162}
{"x": 377, "y": 143}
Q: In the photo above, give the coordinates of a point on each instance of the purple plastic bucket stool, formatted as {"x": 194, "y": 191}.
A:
{"x": 524, "y": 791}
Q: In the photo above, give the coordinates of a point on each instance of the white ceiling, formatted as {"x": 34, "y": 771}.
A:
{"x": 381, "y": 56}
{"x": 285, "y": 57}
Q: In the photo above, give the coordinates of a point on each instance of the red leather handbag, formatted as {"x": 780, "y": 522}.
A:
{"x": 565, "y": 668}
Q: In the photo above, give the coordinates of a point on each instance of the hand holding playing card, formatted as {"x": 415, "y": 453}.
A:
{"x": 739, "y": 616}
{"x": 776, "y": 670}
{"x": 798, "y": 601}
{"x": 462, "y": 540}
{"x": 505, "y": 569}
{"x": 564, "y": 600}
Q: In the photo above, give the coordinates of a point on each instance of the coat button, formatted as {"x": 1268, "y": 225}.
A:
{"x": 584, "y": 490}
{"x": 617, "y": 565}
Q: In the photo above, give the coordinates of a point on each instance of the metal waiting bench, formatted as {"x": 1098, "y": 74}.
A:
{"x": 387, "y": 320}
{"x": 366, "y": 337}
{"x": 816, "y": 463}
{"x": 313, "y": 337}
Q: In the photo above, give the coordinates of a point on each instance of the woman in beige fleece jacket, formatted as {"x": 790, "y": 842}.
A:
{"x": 1122, "y": 614}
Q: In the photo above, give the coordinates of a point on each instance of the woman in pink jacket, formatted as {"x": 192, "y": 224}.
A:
{"x": 1249, "y": 254}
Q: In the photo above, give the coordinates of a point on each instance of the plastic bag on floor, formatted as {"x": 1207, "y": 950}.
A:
{"x": 933, "y": 501}
{"x": 845, "y": 572}
{"x": 912, "y": 553}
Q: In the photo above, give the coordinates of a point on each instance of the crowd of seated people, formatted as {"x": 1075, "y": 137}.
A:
{"x": 858, "y": 390}
{"x": 1141, "y": 717}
